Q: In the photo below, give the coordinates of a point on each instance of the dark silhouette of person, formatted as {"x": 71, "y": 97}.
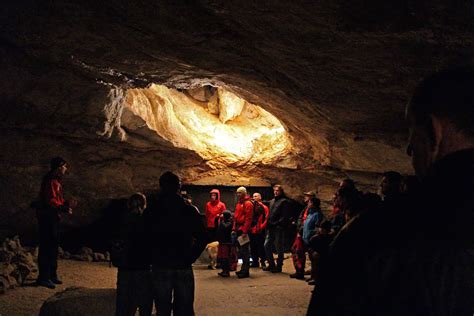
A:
{"x": 134, "y": 289}
{"x": 51, "y": 207}
{"x": 177, "y": 237}
{"x": 419, "y": 259}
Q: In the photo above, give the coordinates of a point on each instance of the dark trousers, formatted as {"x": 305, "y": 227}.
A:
{"x": 244, "y": 254}
{"x": 48, "y": 246}
{"x": 134, "y": 291}
{"x": 257, "y": 248}
{"x": 275, "y": 238}
{"x": 173, "y": 290}
{"x": 211, "y": 234}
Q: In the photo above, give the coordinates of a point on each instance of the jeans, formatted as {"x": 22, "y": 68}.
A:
{"x": 275, "y": 238}
{"x": 134, "y": 290}
{"x": 173, "y": 290}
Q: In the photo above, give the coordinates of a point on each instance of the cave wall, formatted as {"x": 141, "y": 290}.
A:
{"x": 336, "y": 75}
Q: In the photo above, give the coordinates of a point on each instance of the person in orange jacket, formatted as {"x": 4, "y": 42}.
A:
{"x": 257, "y": 231}
{"x": 242, "y": 223}
{"x": 214, "y": 209}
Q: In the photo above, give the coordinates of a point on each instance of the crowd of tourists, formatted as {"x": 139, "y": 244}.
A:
{"x": 408, "y": 251}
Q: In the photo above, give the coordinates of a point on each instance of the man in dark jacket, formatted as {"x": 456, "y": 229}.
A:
{"x": 278, "y": 224}
{"x": 177, "y": 236}
{"x": 426, "y": 268}
{"x": 51, "y": 207}
{"x": 134, "y": 288}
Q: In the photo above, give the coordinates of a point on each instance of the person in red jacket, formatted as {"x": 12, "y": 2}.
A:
{"x": 257, "y": 231}
{"x": 299, "y": 249}
{"x": 214, "y": 209}
{"x": 242, "y": 222}
{"x": 51, "y": 207}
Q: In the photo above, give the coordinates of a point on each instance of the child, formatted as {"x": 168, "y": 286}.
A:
{"x": 226, "y": 251}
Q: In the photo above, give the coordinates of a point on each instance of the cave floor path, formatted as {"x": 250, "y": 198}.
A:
{"x": 262, "y": 294}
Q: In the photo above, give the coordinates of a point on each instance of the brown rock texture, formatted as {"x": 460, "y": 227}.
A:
{"x": 337, "y": 76}
{"x": 80, "y": 301}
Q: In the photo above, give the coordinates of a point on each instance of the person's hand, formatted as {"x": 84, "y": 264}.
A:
{"x": 72, "y": 203}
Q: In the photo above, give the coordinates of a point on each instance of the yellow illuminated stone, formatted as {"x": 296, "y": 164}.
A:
{"x": 225, "y": 129}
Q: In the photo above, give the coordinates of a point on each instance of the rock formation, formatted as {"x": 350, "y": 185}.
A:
{"x": 336, "y": 75}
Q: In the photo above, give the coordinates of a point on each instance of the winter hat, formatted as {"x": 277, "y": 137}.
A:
{"x": 57, "y": 162}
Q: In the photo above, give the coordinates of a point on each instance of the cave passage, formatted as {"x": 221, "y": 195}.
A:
{"x": 214, "y": 122}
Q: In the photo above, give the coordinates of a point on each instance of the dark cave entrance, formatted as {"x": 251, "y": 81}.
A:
{"x": 100, "y": 233}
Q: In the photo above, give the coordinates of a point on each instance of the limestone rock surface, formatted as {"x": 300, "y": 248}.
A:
{"x": 337, "y": 75}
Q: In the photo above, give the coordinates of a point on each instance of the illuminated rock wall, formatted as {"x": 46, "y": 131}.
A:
{"x": 233, "y": 132}
{"x": 336, "y": 75}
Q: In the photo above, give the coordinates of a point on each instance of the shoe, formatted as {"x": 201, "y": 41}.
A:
{"x": 224, "y": 274}
{"x": 307, "y": 272}
{"x": 242, "y": 275}
{"x": 57, "y": 281}
{"x": 46, "y": 283}
{"x": 311, "y": 282}
{"x": 296, "y": 275}
{"x": 210, "y": 267}
{"x": 263, "y": 265}
{"x": 276, "y": 269}
{"x": 308, "y": 279}
{"x": 268, "y": 268}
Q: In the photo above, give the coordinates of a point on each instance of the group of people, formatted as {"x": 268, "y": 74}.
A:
{"x": 251, "y": 233}
{"x": 408, "y": 252}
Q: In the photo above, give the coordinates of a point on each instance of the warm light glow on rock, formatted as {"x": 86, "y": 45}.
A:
{"x": 218, "y": 124}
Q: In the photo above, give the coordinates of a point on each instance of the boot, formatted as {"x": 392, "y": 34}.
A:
{"x": 45, "y": 283}
{"x": 242, "y": 274}
{"x": 297, "y": 275}
{"x": 224, "y": 274}
{"x": 57, "y": 281}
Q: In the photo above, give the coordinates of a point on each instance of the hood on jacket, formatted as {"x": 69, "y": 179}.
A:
{"x": 218, "y": 195}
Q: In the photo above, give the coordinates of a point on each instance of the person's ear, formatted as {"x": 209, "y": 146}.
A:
{"x": 437, "y": 133}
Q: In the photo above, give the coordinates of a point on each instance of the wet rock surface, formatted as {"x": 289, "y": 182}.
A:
{"x": 336, "y": 75}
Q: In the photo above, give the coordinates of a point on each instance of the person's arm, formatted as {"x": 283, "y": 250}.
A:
{"x": 53, "y": 198}
{"x": 266, "y": 213}
{"x": 284, "y": 213}
{"x": 199, "y": 234}
{"x": 248, "y": 211}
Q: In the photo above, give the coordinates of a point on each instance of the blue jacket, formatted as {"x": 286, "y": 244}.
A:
{"x": 314, "y": 219}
